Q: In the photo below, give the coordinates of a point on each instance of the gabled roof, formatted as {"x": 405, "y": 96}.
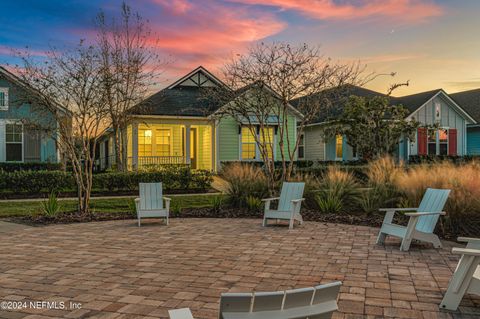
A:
{"x": 338, "y": 97}
{"x": 335, "y": 100}
{"x": 17, "y": 81}
{"x": 469, "y": 101}
{"x": 188, "y": 97}
{"x": 414, "y": 101}
{"x": 185, "y": 97}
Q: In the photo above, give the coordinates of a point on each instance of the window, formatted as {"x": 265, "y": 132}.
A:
{"x": 249, "y": 146}
{"x": 266, "y": 139}
{"x": 13, "y": 141}
{"x": 162, "y": 141}
{"x": 339, "y": 147}
{"x": 437, "y": 142}
{"x": 301, "y": 146}
{"x": 443, "y": 142}
{"x": 144, "y": 142}
{"x": 3, "y": 98}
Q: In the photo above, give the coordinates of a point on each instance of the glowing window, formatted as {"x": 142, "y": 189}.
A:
{"x": 339, "y": 146}
{"x": 249, "y": 145}
{"x": 144, "y": 142}
{"x": 162, "y": 141}
{"x": 266, "y": 139}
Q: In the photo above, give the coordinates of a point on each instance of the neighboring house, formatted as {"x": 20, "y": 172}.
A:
{"x": 23, "y": 127}
{"x": 470, "y": 102}
{"x": 428, "y": 108}
{"x": 176, "y": 126}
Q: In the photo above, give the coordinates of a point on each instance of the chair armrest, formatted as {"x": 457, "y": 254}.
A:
{"x": 183, "y": 313}
{"x": 295, "y": 201}
{"x": 466, "y": 251}
{"x": 137, "y": 200}
{"x": 424, "y": 214}
{"x": 270, "y": 199}
{"x": 167, "y": 198}
{"x": 397, "y": 209}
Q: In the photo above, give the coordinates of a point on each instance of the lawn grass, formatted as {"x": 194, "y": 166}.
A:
{"x": 103, "y": 205}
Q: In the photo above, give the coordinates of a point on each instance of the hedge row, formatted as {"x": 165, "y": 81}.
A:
{"x": 12, "y": 167}
{"x": 47, "y": 181}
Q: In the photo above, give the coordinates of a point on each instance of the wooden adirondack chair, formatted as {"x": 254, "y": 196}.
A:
{"x": 466, "y": 278}
{"x": 289, "y": 204}
{"x": 306, "y": 303}
{"x": 150, "y": 203}
{"x": 421, "y": 223}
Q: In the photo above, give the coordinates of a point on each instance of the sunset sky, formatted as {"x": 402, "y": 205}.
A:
{"x": 432, "y": 43}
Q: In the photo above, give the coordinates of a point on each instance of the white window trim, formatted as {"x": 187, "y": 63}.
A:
{"x": 23, "y": 140}
{"x": 170, "y": 145}
{"x": 258, "y": 155}
{"x": 5, "y": 91}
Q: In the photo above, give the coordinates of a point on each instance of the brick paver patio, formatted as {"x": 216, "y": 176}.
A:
{"x": 117, "y": 270}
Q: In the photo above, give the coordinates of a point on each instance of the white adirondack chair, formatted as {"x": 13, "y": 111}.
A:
{"x": 421, "y": 223}
{"x": 466, "y": 278}
{"x": 305, "y": 303}
{"x": 150, "y": 203}
{"x": 289, "y": 204}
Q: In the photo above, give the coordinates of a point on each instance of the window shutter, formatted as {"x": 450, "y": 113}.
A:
{"x": 452, "y": 142}
{"x": 422, "y": 141}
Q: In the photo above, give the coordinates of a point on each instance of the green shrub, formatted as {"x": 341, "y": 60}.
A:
{"x": 217, "y": 204}
{"x": 253, "y": 203}
{"x": 36, "y": 181}
{"x": 329, "y": 203}
{"x": 12, "y": 167}
{"x": 339, "y": 191}
{"x": 244, "y": 180}
{"x": 50, "y": 207}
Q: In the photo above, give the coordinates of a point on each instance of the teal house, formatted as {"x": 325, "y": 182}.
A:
{"x": 25, "y": 130}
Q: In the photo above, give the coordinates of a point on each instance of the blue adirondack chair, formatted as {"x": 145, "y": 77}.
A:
{"x": 289, "y": 204}
{"x": 421, "y": 223}
{"x": 150, "y": 203}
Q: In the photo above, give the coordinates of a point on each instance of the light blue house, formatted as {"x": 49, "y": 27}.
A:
{"x": 25, "y": 132}
{"x": 428, "y": 108}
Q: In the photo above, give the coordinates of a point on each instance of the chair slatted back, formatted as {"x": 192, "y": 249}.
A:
{"x": 290, "y": 191}
{"x": 235, "y": 302}
{"x": 151, "y": 196}
{"x": 298, "y": 298}
{"x": 265, "y": 301}
{"x": 432, "y": 202}
{"x": 327, "y": 292}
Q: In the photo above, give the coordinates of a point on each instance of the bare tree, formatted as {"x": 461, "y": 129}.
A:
{"x": 264, "y": 83}
{"x": 67, "y": 87}
{"x": 129, "y": 68}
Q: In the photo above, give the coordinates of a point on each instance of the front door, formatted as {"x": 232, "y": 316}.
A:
{"x": 193, "y": 148}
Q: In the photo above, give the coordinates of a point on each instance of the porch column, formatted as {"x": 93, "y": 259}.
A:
{"x": 134, "y": 146}
{"x": 187, "y": 145}
{"x": 213, "y": 149}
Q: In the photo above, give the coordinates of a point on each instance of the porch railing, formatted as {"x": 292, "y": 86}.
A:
{"x": 144, "y": 161}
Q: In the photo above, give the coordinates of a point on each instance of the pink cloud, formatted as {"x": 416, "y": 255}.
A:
{"x": 400, "y": 10}
{"x": 206, "y": 33}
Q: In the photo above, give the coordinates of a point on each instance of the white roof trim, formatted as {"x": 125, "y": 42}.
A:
{"x": 202, "y": 69}
{"x": 442, "y": 92}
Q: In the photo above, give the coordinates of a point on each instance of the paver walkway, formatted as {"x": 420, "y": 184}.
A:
{"x": 117, "y": 270}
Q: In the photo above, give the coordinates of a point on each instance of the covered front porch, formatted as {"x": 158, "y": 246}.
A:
{"x": 153, "y": 142}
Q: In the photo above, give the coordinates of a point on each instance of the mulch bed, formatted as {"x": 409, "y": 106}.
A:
{"x": 445, "y": 230}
